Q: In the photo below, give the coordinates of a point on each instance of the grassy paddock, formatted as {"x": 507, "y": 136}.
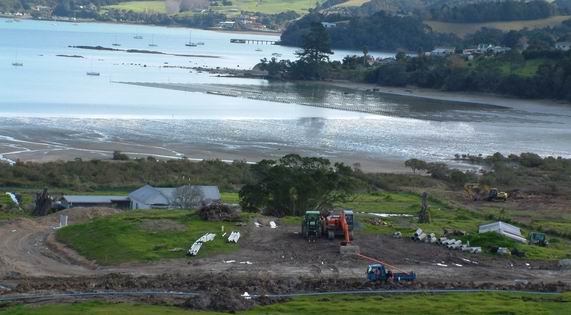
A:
{"x": 143, "y": 236}
{"x": 425, "y": 304}
{"x": 461, "y": 29}
{"x": 157, "y": 6}
{"x": 264, "y": 6}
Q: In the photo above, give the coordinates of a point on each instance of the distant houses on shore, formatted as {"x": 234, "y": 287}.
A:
{"x": 148, "y": 197}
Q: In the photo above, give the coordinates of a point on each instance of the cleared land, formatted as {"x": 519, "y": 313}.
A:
{"x": 263, "y": 6}
{"x": 157, "y": 6}
{"x": 461, "y": 29}
{"x": 479, "y": 303}
{"x": 351, "y": 3}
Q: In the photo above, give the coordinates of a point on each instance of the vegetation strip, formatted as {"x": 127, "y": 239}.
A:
{"x": 24, "y": 297}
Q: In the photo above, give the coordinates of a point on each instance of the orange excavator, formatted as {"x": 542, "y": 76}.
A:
{"x": 347, "y": 246}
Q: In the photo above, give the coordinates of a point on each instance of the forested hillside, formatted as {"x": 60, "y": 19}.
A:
{"x": 381, "y": 31}
{"x": 509, "y": 10}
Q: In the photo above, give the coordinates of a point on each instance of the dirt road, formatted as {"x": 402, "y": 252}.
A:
{"x": 31, "y": 258}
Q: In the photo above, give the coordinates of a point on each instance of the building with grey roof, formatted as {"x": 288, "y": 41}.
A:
{"x": 189, "y": 196}
{"x": 84, "y": 201}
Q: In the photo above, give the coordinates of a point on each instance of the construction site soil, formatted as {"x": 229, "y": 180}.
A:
{"x": 269, "y": 261}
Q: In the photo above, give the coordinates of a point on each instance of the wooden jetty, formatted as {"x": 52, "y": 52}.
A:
{"x": 252, "y": 41}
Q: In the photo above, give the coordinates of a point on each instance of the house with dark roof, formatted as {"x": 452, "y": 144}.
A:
{"x": 149, "y": 197}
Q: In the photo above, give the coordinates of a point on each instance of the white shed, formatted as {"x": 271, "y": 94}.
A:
{"x": 508, "y": 230}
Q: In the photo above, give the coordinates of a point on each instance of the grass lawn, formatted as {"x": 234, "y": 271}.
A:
{"x": 527, "y": 69}
{"x": 230, "y": 197}
{"x": 266, "y": 6}
{"x": 143, "y": 236}
{"x": 461, "y": 29}
{"x": 140, "y": 6}
{"x": 424, "y": 304}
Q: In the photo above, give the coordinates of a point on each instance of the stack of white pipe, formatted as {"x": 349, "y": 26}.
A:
{"x": 234, "y": 237}
{"x": 193, "y": 251}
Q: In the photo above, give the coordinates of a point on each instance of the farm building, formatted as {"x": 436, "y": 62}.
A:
{"x": 79, "y": 201}
{"x": 149, "y": 197}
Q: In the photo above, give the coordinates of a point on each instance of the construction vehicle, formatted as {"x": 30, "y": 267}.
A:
{"x": 495, "y": 195}
{"x": 311, "y": 225}
{"x": 378, "y": 273}
{"x": 333, "y": 225}
{"x": 477, "y": 192}
{"x": 538, "y": 238}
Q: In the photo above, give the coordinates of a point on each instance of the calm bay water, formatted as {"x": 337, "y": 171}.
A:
{"x": 52, "y": 96}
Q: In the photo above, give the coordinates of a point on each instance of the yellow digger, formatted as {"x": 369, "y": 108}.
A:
{"x": 479, "y": 192}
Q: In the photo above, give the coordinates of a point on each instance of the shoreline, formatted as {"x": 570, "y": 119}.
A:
{"x": 50, "y": 145}
{"x": 460, "y": 97}
{"x": 79, "y": 21}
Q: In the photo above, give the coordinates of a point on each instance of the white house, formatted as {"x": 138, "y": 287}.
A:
{"x": 508, "y": 230}
{"x": 328, "y": 24}
{"x": 565, "y": 46}
{"x": 442, "y": 52}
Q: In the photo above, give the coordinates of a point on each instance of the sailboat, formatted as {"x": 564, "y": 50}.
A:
{"x": 17, "y": 63}
{"x": 190, "y": 43}
{"x": 152, "y": 44}
{"x": 115, "y": 43}
{"x": 93, "y": 73}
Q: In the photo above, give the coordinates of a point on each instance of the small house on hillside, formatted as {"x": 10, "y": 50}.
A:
{"x": 329, "y": 24}
{"x": 79, "y": 201}
{"x": 508, "y": 230}
{"x": 565, "y": 46}
{"x": 442, "y": 52}
{"x": 149, "y": 197}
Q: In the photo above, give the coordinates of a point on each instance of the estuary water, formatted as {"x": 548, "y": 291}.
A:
{"x": 51, "y": 109}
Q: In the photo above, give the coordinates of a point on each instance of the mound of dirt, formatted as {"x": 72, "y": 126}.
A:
{"x": 219, "y": 299}
{"x": 218, "y": 212}
{"x": 162, "y": 225}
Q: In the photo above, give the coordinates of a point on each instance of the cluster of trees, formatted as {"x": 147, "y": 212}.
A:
{"x": 551, "y": 80}
{"x": 535, "y": 39}
{"x": 294, "y": 184}
{"x": 507, "y": 10}
{"x": 380, "y": 31}
{"x": 106, "y": 175}
{"x": 313, "y": 59}
{"x": 526, "y": 171}
{"x": 440, "y": 171}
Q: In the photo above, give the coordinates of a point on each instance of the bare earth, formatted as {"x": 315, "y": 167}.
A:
{"x": 29, "y": 251}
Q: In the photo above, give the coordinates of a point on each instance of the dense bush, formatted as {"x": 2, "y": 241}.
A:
{"x": 380, "y": 31}
{"x": 507, "y": 10}
{"x": 99, "y": 175}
